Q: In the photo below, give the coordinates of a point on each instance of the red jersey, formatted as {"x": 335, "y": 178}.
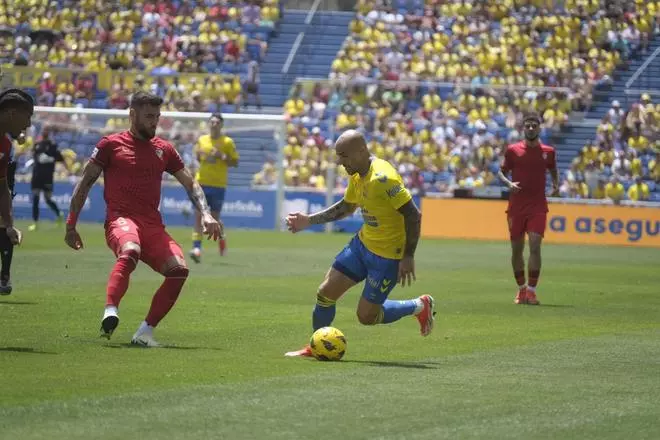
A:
{"x": 5, "y": 156}
{"x": 133, "y": 172}
{"x": 528, "y": 166}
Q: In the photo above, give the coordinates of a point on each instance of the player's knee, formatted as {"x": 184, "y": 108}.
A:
{"x": 535, "y": 244}
{"x": 129, "y": 255}
{"x": 131, "y": 249}
{"x": 535, "y": 249}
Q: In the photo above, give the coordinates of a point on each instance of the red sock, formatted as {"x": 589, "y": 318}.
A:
{"x": 533, "y": 276}
{"x": 118, "y": 282}
{"x": 222, "y": 243}
{"x": 166, "y": 295}
{"x": 519, "y": 275}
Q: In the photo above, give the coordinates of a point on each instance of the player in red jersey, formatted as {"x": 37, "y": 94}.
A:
{"x": 16, "y": 109}
{"x": 528, "y": 161}
{"x": 132, "y": 163}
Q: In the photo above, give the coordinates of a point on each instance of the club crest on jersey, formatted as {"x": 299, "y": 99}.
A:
{"x": 159, "y": 153}
{"x": 545, "y": 156}
{"x": 95, "y": 152}
{"x": 2, "y": 155}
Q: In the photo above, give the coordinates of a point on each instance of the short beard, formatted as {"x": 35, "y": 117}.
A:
{"x": 146, "y": 135}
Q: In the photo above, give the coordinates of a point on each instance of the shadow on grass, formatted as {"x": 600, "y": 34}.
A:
{"x": 166, "y": 347}
{"x": 396, "y": 364}
{"x": 29, "y": 350}
{"x": 18, "y": 303}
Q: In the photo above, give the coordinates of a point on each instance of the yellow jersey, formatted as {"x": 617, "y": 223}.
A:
{"x": 639, "y": 192}
{"x": 379, "y": 195}
{"x": 213, "y": 171}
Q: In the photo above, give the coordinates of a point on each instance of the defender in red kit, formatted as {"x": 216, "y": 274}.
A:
{"x": 528, "y": 161}
{"x": 132, "y": 163}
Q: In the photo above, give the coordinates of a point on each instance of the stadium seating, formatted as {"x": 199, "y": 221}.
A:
{"x": 138, "y": 47}
{"x": 624, "y": 152}
{"x": 501, "y": 45}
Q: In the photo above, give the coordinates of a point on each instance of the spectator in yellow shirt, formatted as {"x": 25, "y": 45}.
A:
{"x": 639, "y": 191}
{"x": 615, "y": 190}
{"x": 599, "y": 191}
{"x": 654, "y": 168}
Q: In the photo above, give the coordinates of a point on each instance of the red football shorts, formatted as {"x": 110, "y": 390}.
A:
{"x": 155, "y": 243}
{"x": 519, "y": 224}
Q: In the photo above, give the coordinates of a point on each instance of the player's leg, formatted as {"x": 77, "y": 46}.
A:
{"x": 346, "y": 272}
{"x": 6, "y": 254}
{"x": 123, "y": 238}
{"x": 196, "y": 251}
{"x": 165, "y": 256}
{"x": 6, "y": 246}
{"x": 48, "y": 195}
{"x": 375, "y": 308}
{"x": 517, "y": 236}
{"x": 215, "y": 212}
{"x": 536, "y": 230}
{"x": 36, "y": 193}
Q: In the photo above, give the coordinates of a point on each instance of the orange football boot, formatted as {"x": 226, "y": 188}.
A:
{"x": 306, "y": 351}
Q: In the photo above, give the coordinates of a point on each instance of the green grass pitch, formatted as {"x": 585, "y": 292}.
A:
{"x": 583, "y": 365}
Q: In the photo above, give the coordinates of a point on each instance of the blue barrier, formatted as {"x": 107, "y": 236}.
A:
{"x": 243, "y": 208}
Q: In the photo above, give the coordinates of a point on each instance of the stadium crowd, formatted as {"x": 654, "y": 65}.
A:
{"x": 143, "y": 45}
{"x": 440, "y": 90}
{"x": 220, "y": 40}
{"x": 623, "y": 160}
{"x": 438, "y": 87}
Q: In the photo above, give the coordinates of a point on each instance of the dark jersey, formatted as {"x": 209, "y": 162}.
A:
{"x": 45, "y": 155}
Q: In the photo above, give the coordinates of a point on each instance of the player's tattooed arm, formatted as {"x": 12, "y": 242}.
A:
{"x": 90, "y": 175}
{"x": 194, "y": 190}
{"x": 335, "y": 212}
{"x": 412, "y": 220}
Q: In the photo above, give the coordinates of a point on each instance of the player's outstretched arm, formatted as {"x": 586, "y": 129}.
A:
{"x": 211, "y": 227}
{"x": 298, "y": 221}
{"x": 90, "y": 175}
{"x": 412, "y": 221}
{"x": 335, "y": 212}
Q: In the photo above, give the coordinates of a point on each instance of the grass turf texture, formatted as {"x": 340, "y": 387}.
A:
{"x": 582, "y": 365}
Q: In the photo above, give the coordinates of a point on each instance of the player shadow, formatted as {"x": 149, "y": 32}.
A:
{"x": 166, "y": 347}
{"x": 18, "y": 303}
{"x": 558, "y": 305}
{"x": 25, "y": 350}
{"x": 396, "y": 364}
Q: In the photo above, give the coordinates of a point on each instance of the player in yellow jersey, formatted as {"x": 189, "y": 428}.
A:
{"x": 382, "y": 253}
{"x": 216, "y": 153}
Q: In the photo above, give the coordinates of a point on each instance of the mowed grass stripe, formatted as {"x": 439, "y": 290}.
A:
{"x": 601, "y": 387}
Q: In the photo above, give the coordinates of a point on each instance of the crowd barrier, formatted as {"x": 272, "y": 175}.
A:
{"x": 243, "y": 208}
{"x": 566, "y": 223}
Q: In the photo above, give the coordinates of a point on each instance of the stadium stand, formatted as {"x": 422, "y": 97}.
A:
{"x": 439, "y": 135}
{"x": 140, "y": 45}
{"x": 622, "y": 159}
{"x": 444, "y": 136}
{"x": 196, "y": 54}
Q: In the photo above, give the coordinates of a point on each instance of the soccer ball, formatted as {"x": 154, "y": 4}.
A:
{"x": 328, "y": 344}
